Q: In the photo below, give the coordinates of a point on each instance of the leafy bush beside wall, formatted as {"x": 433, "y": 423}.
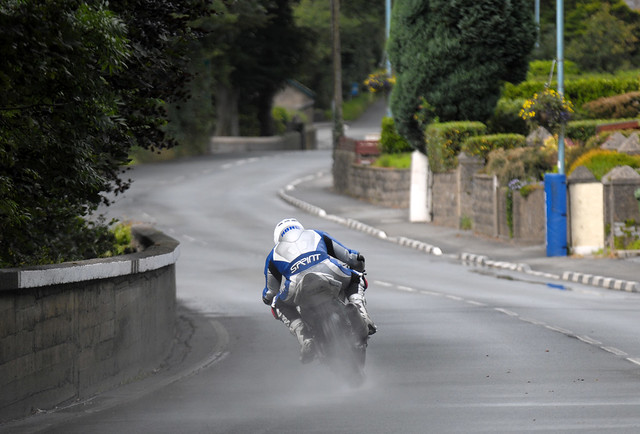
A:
{"x": 481, "y": 146}
{"x": 444, "y": 142}
{"x": 390, "y": 141}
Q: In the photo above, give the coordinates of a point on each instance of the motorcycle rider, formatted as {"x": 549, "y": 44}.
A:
{"x": 296, "y": 253}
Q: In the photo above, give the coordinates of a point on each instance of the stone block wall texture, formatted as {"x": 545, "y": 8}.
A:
{"x": 620, "y": 203}
{"x": 484, "y": 205}
{"x": 529, "y": 222}
{"x": 460, "y": 193}
{"x": 63, "y": 342}
{"x": 502, "y": 225}
{"x": 445, "y": 199}
{"x": 382, "y": 186}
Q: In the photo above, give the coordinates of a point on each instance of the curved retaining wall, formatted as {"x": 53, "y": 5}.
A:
{"x": 71, "y": 330}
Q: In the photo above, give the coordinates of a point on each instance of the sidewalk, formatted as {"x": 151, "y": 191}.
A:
{"x": 314, "y": 194}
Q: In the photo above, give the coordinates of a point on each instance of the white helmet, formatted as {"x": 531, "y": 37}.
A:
{"x": 289, "y": 227}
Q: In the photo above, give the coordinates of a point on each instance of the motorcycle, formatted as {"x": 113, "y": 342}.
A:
{"x": 339, "y": 332}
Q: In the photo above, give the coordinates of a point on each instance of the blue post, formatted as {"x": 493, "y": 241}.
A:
{"x": 555, "y": 189}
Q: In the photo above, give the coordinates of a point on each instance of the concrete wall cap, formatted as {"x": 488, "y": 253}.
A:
{"x": 620, "y": 173}
{"x": 581, "y": 174}
{"x": 160, "y": 251}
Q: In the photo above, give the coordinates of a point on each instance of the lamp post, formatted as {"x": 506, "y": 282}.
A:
{"x": 537, "y": 18}
{"x": 560, "y": 55}
{"x": 388, "y": 32}
{"x": 555, "y": 184}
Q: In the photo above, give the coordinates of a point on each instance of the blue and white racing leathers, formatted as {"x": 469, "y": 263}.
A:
{"x": 313, "y": 251}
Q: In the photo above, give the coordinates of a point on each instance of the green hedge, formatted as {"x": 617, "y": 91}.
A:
{"x": 482, "y": 145}
{"x": 600, "y": 162}
{"x": 390, "y": 141}
{"x": 584, "y": 129}
{"x": 578, "y": 90}
{"x": 622, "y": 106}
{"x": 444, "y": 142}
{"x": 506, "y": 117}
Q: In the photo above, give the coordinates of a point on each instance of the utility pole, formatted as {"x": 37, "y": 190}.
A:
{"x": 387, "y": 33}
{"x": 560, "y": 54}
{"x": 537, "y": 18}
{"x": 338, "y": 127}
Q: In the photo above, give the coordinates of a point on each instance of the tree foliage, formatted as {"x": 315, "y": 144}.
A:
{"x": 456, "y": 54}
{"x": 605, "y": 44}
{"x": 80, "y": 85}
{"x": 362, "y": 38}
{"x": 594, "y": 30}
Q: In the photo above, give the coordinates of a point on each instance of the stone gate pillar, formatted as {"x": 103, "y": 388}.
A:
{"x": 586, "y": 212}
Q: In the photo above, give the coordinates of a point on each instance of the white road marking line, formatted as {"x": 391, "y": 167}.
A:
{"x": 588, "y": 340}
{"x": 507, "y": 312}
{"x": 583, "y": 338}
{"x": 560, "y": 330}
{"x": 615, "y": 351}
{"x": 406, "y": 288}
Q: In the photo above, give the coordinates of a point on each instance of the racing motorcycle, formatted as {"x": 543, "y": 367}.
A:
{"x": 339, "y": 332}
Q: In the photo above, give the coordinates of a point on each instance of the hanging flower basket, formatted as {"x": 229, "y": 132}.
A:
{"x": 547, "y": 109}
{"x": 379, "y": 81}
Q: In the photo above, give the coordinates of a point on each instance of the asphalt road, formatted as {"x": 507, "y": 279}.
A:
{"x": 458, "y": 349}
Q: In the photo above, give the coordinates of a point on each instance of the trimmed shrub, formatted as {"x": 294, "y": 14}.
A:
{"x": 583, "y": 130}
{"x": 281, "y": 117}
{"x": 482, "y": 145}
{"x": 601, "y": 161}
{"x": 519, "y": 163}
{"x": 540, "y": 69}
{"x": 396, "y": 161}
{"x": 577, "y": 90}
{"x": 444, "y": 142}
{"x": 390, "y": 141}
{"x": 506, "y": 119}
{"x": 626, "y": 105}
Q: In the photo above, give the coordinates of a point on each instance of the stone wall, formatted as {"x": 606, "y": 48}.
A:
{"x": 529, "y": 221}
{"x": 484, "y": 205}
{"x": 382, "y": 186}
{"x": 445, "y": 199}
{"x": 460, "y": 194}
{"x": 620, "y": 202}
{"x": 69, "y": 331}
{"x": 291, "y": 141}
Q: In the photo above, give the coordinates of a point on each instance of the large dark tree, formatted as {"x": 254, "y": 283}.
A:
{"x": 272, "y": 52}
{"x": 255, "y": 46}
{"x": 456, "y": 54}
{"x": 79, "y": 86}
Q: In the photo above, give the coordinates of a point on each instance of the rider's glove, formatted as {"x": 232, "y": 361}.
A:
{"x": 360, "y": 260}
{"x": 266, "y": 301}
{"x": 365, "y": 283}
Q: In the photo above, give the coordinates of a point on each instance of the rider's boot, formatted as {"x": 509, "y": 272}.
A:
{"x": 307, "y": 347}
{"x": 359, "y": 302}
